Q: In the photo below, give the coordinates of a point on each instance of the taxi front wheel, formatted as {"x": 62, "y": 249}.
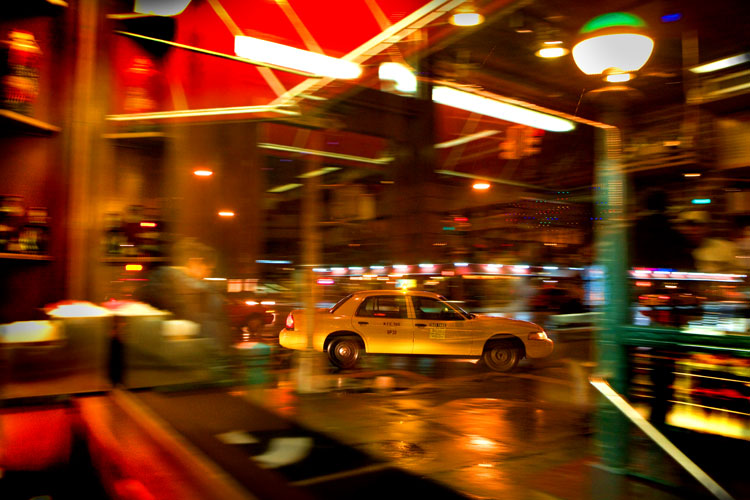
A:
{"x": 501, "y": 356}
{"x": 344, "y": 352}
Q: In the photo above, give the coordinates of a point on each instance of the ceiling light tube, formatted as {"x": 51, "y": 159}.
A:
{"x": 497, "y": 109}
{"x": 318, "y": 172}
{"x": 189, "y": 113}
{"x": 466, "y": 138}
{"x": 284, "y": 187}
{"x": 293, "y": 149}
{"x": 727, "y": 62}
{"x": 291, "y": 57}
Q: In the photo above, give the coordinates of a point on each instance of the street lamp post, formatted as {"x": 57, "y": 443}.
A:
{"x": 614, "y": 45}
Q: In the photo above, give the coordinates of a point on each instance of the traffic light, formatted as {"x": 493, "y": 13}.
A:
{"x": 532, "y": 140}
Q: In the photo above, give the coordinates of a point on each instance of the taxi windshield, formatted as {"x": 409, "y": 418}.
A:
{"x": 454, "y": 305}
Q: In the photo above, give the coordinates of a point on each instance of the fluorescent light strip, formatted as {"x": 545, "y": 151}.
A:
{"x": 490, "y": 179}
{"x": 285, "y": 56}
{"x": 284, "y": 187}
{"x": 466, "y": 138}
{"x": 380, "y": 42}
{"x": 727, "y": 62}
{"x": 316, "y": 173}
{"x": 187, "y": 113}
{"x": 498, "y": 109}
{"x": 326, "y": 154}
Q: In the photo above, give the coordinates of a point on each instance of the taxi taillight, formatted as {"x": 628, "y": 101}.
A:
{"x": 289, "y": 325}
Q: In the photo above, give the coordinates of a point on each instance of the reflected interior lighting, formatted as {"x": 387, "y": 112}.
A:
{"x": 401, "y": 267}
{"x": 670, "y": 18}
{"x": 701, "y": 201}
{"x": 622, "y": 52}
{"x": 461, "y": 264}
{"x": 203, "y": 173}
{"x": 551, "y": 52}
{"x": 266, "y": 261}
{"x": 377, "y": 267}
{"x": 326, "y": 154}
{"x": 466, "y": 19}
{"x": 268, "y": 302}
{"x": 133, "y": 267}
{"x": 720, "y": 64}
{"x": 481, "y": 186}
{"x": 692, "y": 174}
{"x": 191, "y": 113}
{"x": 320, "y": 270}
{"x": 325, "y": 281}
{"x": 291, "y": 57}
{"x": 465, "y": 139}
{"x": 251, "y": 302}
{"x": 355, "y": 268}
{"x": 402, "y": 76}
{"x": 426, "y": 266}
{"x": 498, "y": 109}
{"x": 618, "y": 77}
{"x": 550, "y": 268}
{"x": 214, "y": 279}
{"x": 226, "y": 213}
{"x": 318, "y": 172}
{"x": 148, "y": 224}
{"x": 285, "y": 187}
{"x": 493, "y": 268}
{"x": 643, "y": 284}
{"x": 160, "y": 7}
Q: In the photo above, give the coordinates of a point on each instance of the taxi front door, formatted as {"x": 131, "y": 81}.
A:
{"x": 440, "y": 329}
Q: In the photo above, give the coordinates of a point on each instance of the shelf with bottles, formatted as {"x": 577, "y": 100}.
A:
{"x": 24, "y": 256}
{"x": 24, "y": 232}
{"x": 137, "y": 139}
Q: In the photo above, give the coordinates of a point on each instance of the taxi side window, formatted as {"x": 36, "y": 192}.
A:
{"x": 428, "y": 308}
{"x": 383, "y": 307}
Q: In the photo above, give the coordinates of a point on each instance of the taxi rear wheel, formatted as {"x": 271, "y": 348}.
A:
{"x": 344, "y": 352}
{"x": 501, "y": 356}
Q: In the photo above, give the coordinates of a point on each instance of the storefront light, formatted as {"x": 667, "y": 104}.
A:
{"x": 613, "y": 44}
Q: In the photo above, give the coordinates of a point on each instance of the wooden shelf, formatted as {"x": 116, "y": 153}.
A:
{"x": 133, "y": 260}
{"x": 24, "y": 256}
{"x": 16, "y": 122}
{"x": 145, "y": 139}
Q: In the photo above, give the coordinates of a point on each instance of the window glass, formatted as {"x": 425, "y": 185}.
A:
{"x": 388, "y": 306}
{"x": 429, "y": 308}
{"x": 340, "y": 302}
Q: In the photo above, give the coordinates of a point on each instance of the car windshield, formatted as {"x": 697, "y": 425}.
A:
{"x": 455, "y": 305}
{"x": 338, "y": 304}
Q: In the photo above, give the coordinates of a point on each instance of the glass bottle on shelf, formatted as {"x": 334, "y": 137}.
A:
{"x": 11, "y": 218}
{"x": 21, "y": 75}
{"x": 34, "y": 235}
{"x": 133, "y": 219}
{"x": 115, "y": 237}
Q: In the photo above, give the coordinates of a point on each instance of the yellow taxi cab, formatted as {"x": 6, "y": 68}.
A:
{"x": 413, "y": 322}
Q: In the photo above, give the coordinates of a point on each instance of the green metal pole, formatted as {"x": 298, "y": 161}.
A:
{"x": 612, "y": 258}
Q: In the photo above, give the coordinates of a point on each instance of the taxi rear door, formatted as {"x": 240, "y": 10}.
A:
{"x": 384, "y": 324}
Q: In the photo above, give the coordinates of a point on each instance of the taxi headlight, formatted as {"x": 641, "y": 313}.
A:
{"x": 538, "y": 335}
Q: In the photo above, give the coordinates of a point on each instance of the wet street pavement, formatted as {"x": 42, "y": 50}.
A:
{"x": 523, "y": 435}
